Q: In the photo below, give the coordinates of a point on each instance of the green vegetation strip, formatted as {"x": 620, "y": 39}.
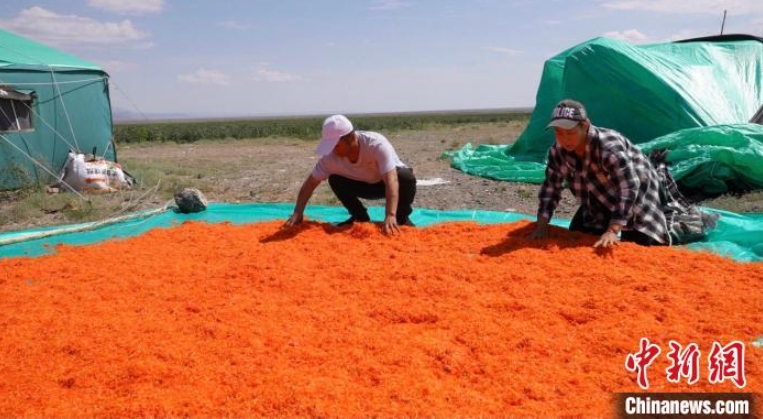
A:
{"x": 304, "y": 128}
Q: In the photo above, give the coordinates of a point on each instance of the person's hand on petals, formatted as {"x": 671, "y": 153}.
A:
{"x": 390, "y": 225}
{"x": 294, "y": 219}
{"x": 608, "y": 239}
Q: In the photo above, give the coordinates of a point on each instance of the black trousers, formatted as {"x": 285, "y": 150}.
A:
{"x": 578, "y": 223}
{"x": 348, "y": 191}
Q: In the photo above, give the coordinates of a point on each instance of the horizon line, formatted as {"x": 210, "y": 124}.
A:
{"x": 194, "y": 116}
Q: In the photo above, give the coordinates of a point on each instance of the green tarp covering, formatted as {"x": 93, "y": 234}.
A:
{"x": 70, "y": 109}
{"x": 708, "y": 161}
{"x": 17, "y": 52}
{"x": 715, "y": 160}
{"x": 738, "y": 237}
{"x": 645, "y": 92}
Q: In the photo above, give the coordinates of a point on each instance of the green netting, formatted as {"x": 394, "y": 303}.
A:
{"x": 645, "y": 92}
{"x": 738, "y": 236}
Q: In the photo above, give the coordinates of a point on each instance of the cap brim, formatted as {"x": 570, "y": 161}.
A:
{"x": 326, "y": 146}
{"x": 563, "y": 124}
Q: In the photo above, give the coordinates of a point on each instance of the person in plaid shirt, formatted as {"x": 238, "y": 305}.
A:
{"x": 616, "y": 185}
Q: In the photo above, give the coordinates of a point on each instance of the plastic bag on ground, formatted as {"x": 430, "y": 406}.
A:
{"x": 93, "y": 174}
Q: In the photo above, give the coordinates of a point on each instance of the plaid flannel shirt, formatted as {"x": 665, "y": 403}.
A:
{"x": 614, "y": 182}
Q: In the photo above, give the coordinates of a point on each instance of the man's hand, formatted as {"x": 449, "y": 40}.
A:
{"x": 390, "y": 225}
{"x": 305, "y": 192}
{"x": 392, "y": 193}
{"x": 609, "y": 238}
{"x": 293, "y": 220}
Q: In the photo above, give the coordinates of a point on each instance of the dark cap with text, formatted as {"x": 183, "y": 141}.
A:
{"x": 567, "y": 114}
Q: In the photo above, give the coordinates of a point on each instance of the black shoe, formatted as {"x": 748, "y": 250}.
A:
{"x": 348, "y": 222}
{"x": 352, "y": 220}
{"x": 408, "y": 223}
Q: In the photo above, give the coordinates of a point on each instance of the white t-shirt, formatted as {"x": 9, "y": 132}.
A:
{"x": 376, "y": 158}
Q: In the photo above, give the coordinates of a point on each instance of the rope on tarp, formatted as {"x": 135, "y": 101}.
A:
{"x": 24, "y": 236}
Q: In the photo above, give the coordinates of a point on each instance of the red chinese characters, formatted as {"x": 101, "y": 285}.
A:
{"x": 727, "y": 362}
{"x": 724, "y": 363}
{"x": 640, "y": 361}
{"x": 683, "y": 363}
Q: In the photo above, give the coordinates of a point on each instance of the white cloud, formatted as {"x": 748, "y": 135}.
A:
{"x": 631, "y": 36}
{"x": 204, "y": 76}
{"x": 714, "y": 7}
{"x": 275, "y": 76}
{"x": 388, "y": 5}
{"x": 55, "y": 29}
{"x": 232, "y": 24}
{"x": 129, "y": 6}
{"x": 506, "y": 51}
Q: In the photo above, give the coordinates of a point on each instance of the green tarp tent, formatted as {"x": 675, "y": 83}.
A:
{"x": 645, "y": 92}
{"x": 50, "y": 102}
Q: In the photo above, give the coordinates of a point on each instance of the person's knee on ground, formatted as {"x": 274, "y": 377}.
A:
{"x": 634, "y": 236}
{"x": 406, "y": 193}
{"x": 578, "y": 223}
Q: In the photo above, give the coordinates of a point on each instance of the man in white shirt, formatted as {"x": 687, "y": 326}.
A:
{"x": 359, "y": 164}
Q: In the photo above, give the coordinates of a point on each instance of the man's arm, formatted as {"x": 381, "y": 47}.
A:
{"x": 392, "y": 192}
{"x": 550, "y": 193}
{"x": 305, "y": 192}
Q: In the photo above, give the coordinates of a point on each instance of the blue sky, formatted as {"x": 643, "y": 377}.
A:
{"x": 283, "y": 57}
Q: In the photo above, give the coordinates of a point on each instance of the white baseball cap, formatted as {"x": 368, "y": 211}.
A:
{"x": 334, "y": 128}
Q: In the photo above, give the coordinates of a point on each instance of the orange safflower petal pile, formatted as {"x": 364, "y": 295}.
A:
{"x": 453, "y": 320}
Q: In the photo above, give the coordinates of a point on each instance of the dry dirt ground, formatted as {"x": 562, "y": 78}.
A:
{"x": 273, "y": 169}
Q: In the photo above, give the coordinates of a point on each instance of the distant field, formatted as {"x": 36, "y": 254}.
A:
{"x": 305, "y": 128}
